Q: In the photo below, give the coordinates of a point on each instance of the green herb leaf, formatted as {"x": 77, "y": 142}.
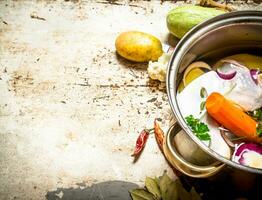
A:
{"x": 200, "y": 129}
{"x": 164, "y": 182}
{"x": 256, "y": 114}
{"x": 152, "y": 187}
{"x": 202, "y": 105}
{"x": 259, "y": 129}
{"x": 141, "y": 194}
{"x": 203, "y": 92}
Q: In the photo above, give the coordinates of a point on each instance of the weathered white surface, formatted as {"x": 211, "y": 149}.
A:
{"x": 70, "y": 109}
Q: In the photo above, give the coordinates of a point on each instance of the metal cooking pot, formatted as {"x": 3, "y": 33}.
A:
{"x": 227, "y": 34}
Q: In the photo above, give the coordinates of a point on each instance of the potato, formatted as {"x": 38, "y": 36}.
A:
{"x": 138, "y": 46}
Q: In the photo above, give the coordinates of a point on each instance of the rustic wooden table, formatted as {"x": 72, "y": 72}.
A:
{"x": 70, "y": 108}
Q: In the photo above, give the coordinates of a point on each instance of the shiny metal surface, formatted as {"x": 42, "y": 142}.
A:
{"x": 227, "y": 34}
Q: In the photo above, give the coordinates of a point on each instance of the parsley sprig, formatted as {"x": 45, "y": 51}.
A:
{"x": 259, "y": 129}
{"x": 257, "y": 115}
{"x": 200, "y": 129}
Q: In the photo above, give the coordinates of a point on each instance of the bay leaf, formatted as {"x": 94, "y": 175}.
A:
{"x": 141, "y": 194}
{"x": 164, "y": 182}
{"x": 172, "y": 192}
{"x": 194, "y": 194}
{"x": 152, "y": 187}
{"x": 183, "y": 194}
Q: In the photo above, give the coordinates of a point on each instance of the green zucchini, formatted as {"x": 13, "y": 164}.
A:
{"x": 181, "y": 19}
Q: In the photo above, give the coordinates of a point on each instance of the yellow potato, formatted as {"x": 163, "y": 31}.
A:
{"x": 138, "y": 46}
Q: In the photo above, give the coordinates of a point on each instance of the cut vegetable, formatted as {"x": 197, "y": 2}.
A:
{"x": 226, "y": 76}
{"x": 231, "y": 117}
{"x": 248, "y": 154}
{"x": 192, "y": 75}
{"x": 198, "y": 65}
{"x": 254, "y": 75}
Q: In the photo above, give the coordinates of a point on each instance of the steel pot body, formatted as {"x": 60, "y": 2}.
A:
{"x": 228, "y": 34}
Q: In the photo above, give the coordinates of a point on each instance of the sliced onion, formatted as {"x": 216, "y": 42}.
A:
{"x": 254, "y": 75}
{"x": 241, "y": 149}
{"x": 197, "y": 64}
{"x": 226, "y": 76}
{"x": 227, "y": 140}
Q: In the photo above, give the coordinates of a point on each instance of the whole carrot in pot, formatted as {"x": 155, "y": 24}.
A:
{"x": 232, "y": 117}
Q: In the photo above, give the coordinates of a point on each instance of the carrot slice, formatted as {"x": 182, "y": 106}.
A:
{"x": 232, "y": 117}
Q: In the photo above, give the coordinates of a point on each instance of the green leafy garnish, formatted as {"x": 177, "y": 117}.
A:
{"x": 256, "y": 114}
{"x": 164, "y": 188}
{"x": 259, "y": 129}
{"x": 199, "y": 128}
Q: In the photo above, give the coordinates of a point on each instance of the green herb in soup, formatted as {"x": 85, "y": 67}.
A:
{"x": 200, "y": 129}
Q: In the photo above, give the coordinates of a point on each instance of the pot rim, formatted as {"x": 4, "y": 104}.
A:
{"x": 172, "y": 70}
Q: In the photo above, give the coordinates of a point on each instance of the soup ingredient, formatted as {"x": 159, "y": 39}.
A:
{"x": 245, "y": 92}
{"x": 248, "y": 60}
{"x": 141, "y": 142}
{"x": 231, "y": 117}
{"x": 183, "y": 18}
{"x": 189, "y": 101}
{"x": 255, "y": 74}
{"x": 164, "y": 188}
{"x": 192, "y": 75}
{"x": 256, "y": 114}
{"x": 157, "y": 70}
{"x": 200, "y": 129}
{"x": 203, "y": 92}
{"x": 194, "y": 65}
{"x": 248, "y": 154}
{"x": 226, "y": 75}
{"x": 159, "y": 134}
{"x": 138, "y": 46}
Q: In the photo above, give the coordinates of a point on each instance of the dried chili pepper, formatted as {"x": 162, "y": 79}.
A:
{"x": 159, "y": 134}
{"x": 140, "y": 142}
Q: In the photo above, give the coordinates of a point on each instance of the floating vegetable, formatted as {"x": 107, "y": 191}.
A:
{"x": 192, "y": 75}
{"x": 194, "y": 65}
{"x": 183, "y": 18}
{"x": 232, "y": 118}
{"x": 138, "y": 46}
{"x": 248, "y": 154}
{"x": 226, "y": 76}
{"x": 200, "y": 129}
{"x": 254, "y": 75}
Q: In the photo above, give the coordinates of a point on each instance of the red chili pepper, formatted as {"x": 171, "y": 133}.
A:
{"x": 140, "y": 142}
{"x": 159, "y": 134}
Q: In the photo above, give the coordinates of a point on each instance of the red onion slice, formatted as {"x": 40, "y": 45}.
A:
{"x": 254, "y": 75}
{"x": 226, "y": 76}
{"x": 245, "y": 148}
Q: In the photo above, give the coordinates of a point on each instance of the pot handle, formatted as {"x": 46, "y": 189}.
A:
{"x": 183, "y": 165}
